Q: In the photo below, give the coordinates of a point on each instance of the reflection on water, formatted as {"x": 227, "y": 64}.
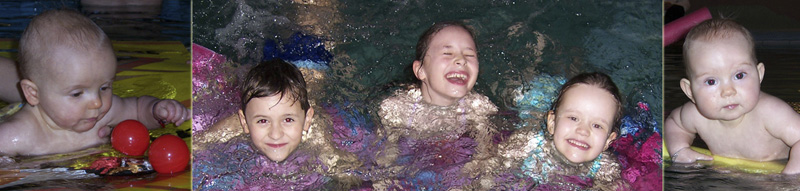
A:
{"x": 699, "y": 176}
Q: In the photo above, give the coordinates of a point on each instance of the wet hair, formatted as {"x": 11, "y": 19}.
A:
{"x": 57, "y": 29}
{"x": 716, "y": 29}
{"x": 274, "y": 77}
{"x": 596, "y": 79}
{"x": 426, "y": 38}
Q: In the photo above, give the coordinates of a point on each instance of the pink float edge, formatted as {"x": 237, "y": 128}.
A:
{"x": 677, "y": 29}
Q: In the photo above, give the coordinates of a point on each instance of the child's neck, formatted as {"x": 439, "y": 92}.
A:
{"x": 734, "y": 122}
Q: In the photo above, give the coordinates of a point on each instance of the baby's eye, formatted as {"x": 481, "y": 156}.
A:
{"x": 572, "y": 118}
{"x": 740, "y": 75}
{"x": 104, "y": 88}
{"x": 261, "y": 121}
{"x": 711, "y": 82}
{"x": 288, "y": 120}
{"x": 78, "y": 94}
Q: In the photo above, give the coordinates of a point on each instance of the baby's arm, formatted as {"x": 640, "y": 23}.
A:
{"x": 679, "y": 136}
{"x": 8, "y": 81}
{"x": 782, "y": 122}
{"x": 148, "y": 110}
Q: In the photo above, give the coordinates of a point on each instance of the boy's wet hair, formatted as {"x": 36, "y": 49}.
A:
{"x": 715, "y": 29}
{"x": 597, "y": 79}
{"x": 426, "y": 38}
{"x": 57, "y": 29}
{"x": 275, "y": 77}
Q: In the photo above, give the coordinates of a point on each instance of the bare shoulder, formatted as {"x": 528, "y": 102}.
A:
{"x": 778, "y": 117}
{"x": 16, "y": 135}
{"x": 119, "y": 107}
{"x": 686, "y": 116}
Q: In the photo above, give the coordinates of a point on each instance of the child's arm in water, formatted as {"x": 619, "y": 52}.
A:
{"x": 152, "y": 112}
{"x": 679, "y": 136}
{"x": 783, "y": 123}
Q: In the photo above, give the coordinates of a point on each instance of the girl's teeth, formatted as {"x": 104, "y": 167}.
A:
{"x": 579, "y": 144}
{"x": 462, "y": 76}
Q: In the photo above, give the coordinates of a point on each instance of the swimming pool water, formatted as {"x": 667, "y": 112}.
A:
{"x": 372, "y": 43}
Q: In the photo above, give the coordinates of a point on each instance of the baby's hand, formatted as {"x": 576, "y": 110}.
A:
{"x": 104, "y": 132}
{"x": 170, "y": 111}
{"x": 687, "y": 155}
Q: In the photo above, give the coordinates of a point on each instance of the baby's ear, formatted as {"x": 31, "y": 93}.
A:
{"x": 243, "y": 121}
{"x": 30, "y": 90}
{"x": 760, "y": 68}
{"x": 686, "y": 86}
{"x": 551, "y": 122}
{"x": 417, "y": 67}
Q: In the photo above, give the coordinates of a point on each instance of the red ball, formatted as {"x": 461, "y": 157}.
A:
{"x": 130, "y": 137}
{"x": 169, "y": 154}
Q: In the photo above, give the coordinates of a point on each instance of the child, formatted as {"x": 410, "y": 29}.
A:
{"x": 727, "y": 109}
{"x": 67, "y": 67}
{"x": 581, "y": 124}
{"x": 441, "y": 110}
{"x": 282, "y": 149}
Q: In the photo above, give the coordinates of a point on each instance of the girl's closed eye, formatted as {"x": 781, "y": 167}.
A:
{"x": 572, "y": 118}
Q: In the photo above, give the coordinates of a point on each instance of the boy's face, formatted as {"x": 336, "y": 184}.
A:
{"x": 450, "y": 66}
{"x": 581, "y": 124}
{"x": 275, "y": 125}
{"x": 724, "y": 83}
{"x": 75, "y": 91}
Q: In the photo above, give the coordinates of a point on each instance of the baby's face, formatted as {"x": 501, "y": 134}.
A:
{"x": 450, "y": 66}
{"x": 75, "y": 92}
{"x": 581, "y": 124}
{"x": 275, "y": 125}
{"x": 724, "y": 82}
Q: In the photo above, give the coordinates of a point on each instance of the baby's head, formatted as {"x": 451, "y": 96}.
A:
{"x": 723, "y": 75}
{"x": 275, "y": 109}
{"x": 446, "y": 63}
{"x": 67, "y": 67}
{"x": 584, "y": 118}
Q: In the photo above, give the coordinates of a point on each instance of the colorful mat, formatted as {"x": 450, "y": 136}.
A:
{"x": 155, "y": 68}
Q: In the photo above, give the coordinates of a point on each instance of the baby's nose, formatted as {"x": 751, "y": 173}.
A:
{"x": 96, "y": 103}
{"x": 728, "y": 90}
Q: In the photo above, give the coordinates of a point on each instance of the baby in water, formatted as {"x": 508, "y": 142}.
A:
{"x": 67, "y": 68}
{"x": 728, "y": 110}
{"x": 572, "y": 154}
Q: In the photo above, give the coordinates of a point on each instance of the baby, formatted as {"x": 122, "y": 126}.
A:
{"x": 441, "y": 109}
{"x": 727, "y": 109}
{"x": 277, "y": 117}
{"x": 67, "y": 66}
{"x": 581, "y": 124}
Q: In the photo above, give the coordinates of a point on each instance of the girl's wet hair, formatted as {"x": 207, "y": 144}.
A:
{"x": 597, "y": 79}
{"x": 274, "y": 77}
{"x": 426, "y": 38}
